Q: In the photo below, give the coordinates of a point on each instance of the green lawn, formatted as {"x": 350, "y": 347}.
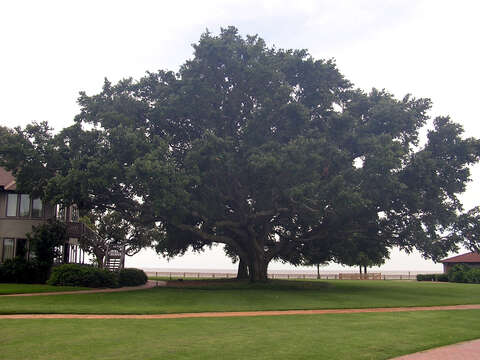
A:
{"x": 231, "y": 296}
{"x": 342, "y": 336}
{"x": 34, "y": 288}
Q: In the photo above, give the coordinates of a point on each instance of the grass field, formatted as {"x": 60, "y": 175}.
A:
{"x": 339, "y": 336}
{"x": 6, "y": 289}
{"x": 233, "y": 296}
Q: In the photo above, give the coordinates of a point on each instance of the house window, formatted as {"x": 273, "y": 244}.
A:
{"x": 21, "y": 248}
{"x": 21, "y": 204}
{"x": 24, "y": 205}
{"x": 37, "y": 208}
{"x": 12, "y": 204}
{"x": 8, "y": 248}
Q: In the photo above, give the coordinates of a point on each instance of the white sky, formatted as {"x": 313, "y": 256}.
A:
{"x": 51, "y": 50}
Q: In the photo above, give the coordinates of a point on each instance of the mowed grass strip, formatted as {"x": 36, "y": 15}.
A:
{"x": 339, "y": 336}
{"x": 231, "y": 296}
{"x": 7, "y": 289}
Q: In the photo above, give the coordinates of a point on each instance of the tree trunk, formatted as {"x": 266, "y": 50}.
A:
{"x": 365, "y": 269}
{"x": 318, "y": 271}
{"x": 242, "y": 272}
{"x": 360, "y": 266}
{"x": 259, "y": 272}
{"x": 100, "y": 258}
{"x": 258, "y": 267}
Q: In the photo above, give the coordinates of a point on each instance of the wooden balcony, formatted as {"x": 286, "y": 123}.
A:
{"x": 78, "y": 229}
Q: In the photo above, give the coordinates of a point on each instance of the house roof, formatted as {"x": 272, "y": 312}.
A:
{"x": 471, "y": 257}
{"x": 7, "y": 181}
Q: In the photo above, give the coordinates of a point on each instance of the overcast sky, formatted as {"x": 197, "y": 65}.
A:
{"x": 51, "y": 50}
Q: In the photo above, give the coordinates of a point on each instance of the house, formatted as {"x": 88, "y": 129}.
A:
{"x": 20, "y": 212}
{"x": 471, "y": 259}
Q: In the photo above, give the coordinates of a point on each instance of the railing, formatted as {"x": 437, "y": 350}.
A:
{"x": 78, "y": 229}
{"x": 74, "y": 229}
{"x": 173, "y": 275}
{"x": 358, "y": 276}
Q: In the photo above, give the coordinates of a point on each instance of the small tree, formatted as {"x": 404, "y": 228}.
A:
{"x": 316, "y": 254}
{"x": 45, "y": 240}
{"x": 112, "y": 229}
{"x": 364, "y": 252}
{"x": 94, "y": 245}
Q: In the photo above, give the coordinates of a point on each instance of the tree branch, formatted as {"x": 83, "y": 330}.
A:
{"x": 213, "y": 238}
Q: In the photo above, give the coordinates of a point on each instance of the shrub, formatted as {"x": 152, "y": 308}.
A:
{"x": 473, "y": 276}
{"x": 426, "y": 277}
{"x": 132, "y": 277}
{"x": 464, "y": 274}
{"x": 432, "y": 277}
{"x": 441, "y": 277}
{"x": 458, "y": 273}
{"x": 82, "y": 275}
{"x": 19, "y": 270}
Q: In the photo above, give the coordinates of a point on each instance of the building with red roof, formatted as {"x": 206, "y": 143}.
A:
{"x": 471, "y": 259}
{"x": 7, "y": 181}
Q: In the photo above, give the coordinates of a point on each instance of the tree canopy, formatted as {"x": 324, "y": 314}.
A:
{"x": 268, "y": 151}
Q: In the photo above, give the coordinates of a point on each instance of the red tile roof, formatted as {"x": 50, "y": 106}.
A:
{"x": 471, "y": 257}
{"x": 7, "y": 181}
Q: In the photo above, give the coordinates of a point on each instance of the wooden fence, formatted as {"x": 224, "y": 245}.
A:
{"x": 174, "y": 275}
{"x": 355, "y": 276}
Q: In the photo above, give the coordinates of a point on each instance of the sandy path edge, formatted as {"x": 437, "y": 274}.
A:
{"x": 239, "y": 313}
{"x": 465, "y": 350}
{"x": 150, "y": 284}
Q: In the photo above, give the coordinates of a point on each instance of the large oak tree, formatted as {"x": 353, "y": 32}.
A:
{"x": 268, "y": 151}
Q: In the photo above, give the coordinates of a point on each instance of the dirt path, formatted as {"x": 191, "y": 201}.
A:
{"x": 469, "y": 350}
{"x": 150, "y": 284}
{"x": 238, "y": 313}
